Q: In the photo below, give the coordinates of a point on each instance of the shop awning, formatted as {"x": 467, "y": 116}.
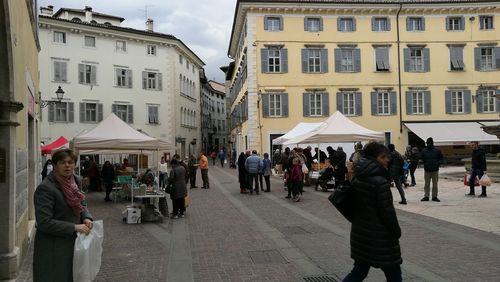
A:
{"x": 58, "y": 143}
{"x": 453, "y": 133}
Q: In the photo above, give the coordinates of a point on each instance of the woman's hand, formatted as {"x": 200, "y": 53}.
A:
{"x": 88, "y": 223}
{"x": 82, "y": 228}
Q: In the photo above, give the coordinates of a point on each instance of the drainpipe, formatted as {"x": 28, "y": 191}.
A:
{"x": 399, "y": 71}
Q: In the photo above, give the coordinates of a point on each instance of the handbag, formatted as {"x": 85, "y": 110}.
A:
{"x": 342, "y": 199}
{"x": 467, "y": 177}
{"x": 187, "y": 201}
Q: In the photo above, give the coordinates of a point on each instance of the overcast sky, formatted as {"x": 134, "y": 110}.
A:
{"x": 203, "y": 25}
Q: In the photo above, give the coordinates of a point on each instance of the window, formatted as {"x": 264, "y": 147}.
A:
{"x": 457, "y": 101}
{"x": 383, "y": 103}
{"x": 121, "y": 46}
{"x": 487, "y": 59}
{"x": 123, "y": 78}
{"x": 89, "y": 41}
{"x": 274, "y": 60}
{"x": 485, "y": 22}
{"x": 60, "y": 71}
{"x": 486, "y": 101}
{"x": 180, "y": 59}
{"x": 59, "y": 37}
{"x": 315, "y": 105}
{"x": 346, "y": 24}
{"x": 380, "y": 24}
{"x": 87, "y": 74}
{"x": 415, "y": 24}
{"x": 417, "y": 101}
{"x": 347, "y": 60}
{"x": 187, "y": 64}
{"x": 313, "y": 24}
{"x": 314, "y": 60}
{"x": 274, "y": 105}
{"x": 61, "y": 112}
{"x": 382, "y": 59}
{"x": 90, "y": 112}
{"x": 151, "y": 50}
{"x": 152, "y": 81}
{"x": 348, "y": 105}
{"x": 124, "y": 112}
{"x": 455, "y": 23}
{"x": 273, "y": 23}
{"x": 153, "y": 114}
{"x": 456, "y": 58}
{"x": 416, "y": 60}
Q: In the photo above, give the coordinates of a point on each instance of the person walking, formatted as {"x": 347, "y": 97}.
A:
{"x": 478, "y": 168}
{"x": 162, "y": 168}
{"x": 396, "y": 171}
{"x": 432, "y": 159}
{"x": 179, "y": 190}
{"x": 339, "y": 161}
{"x": 266, "y": 169}
{"x": 60, "y": 212}
{"x": 296, "y": 179}
{"x": 108, "y": 176}
{"x": 253, "y": 165}
{"x": 48, "y": 167}
{"x": 413, "y": 160}
{"x": 213, "y": 155}
{"x": 203, "y": 164}
{"x": 277, "y": 161}
{"x": 193, "y": 166}
{"x": 242, "y": 174}
{"x": 375, "y": 230}
{"x": 222, "y": 157}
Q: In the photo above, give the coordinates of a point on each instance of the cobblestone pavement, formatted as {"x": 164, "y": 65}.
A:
{"x": 227, "y": 236}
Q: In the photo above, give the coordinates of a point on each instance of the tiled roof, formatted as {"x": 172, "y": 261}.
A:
{"x": 82, "y": 11}
{"x": 217, "y": 86}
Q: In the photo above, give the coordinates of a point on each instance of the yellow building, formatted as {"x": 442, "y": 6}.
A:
{"x": 412, "y": 69}
{"x": 19, "y": 146}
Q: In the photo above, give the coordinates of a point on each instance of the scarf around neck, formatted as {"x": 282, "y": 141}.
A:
{"x": 72, "y": 196}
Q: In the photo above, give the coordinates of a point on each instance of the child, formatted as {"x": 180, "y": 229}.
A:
{"x": 296, "y": 177}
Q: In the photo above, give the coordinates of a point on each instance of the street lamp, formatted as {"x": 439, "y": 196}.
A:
{"x": 59, "y": 95}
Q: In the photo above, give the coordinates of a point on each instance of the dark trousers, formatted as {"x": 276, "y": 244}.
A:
{"x": 109, "y": 188}
{"x": 213, "y": 161}
{"x": 360, "y": 271}
{"x": 162, "y": 179}
{"x": 413, "y": 168}
{"x": 267, "y": 178}
{"x": 261, "y": 176}
{"x": 204, "y": 177}
{"x": 192, "y": 177}
{"x": 178, "y": 206}
{"x": 399, "y": 186}
{"x": 221, "y": 162}
{"x": 479, "y": 173}
{"x": 296, "y": 188}
{"x": 251, "y": 178}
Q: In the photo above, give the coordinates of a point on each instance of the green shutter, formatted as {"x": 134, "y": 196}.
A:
{"x": 82, "y": 112}
{"x": 340, "y": 102}
{"x": 129, "y": 78}
{"x": 338, "y": 59}
{"x": 144, "y": 80}
{"x": 64, "y": 71}
{"x": 373, "y": 101}
{"x": 325, "y": 104}
{"x": 266, "y": 27}
{"x": 393, "y": 102}
{"x": 160, "y": 81}
{"x": 467, "y": 101}
{"x": 447, "y": 99}
{"x": 305, "y": 104}
{"x": 284, "y": 60}
{"x": 265, "y": 105}
{"x": 427, "y": 59}
{"x": 358, "y": 102}
{"x": 496, "y": 59}
{"x": 284, "y": 104}
{"x": 264, "y": 60}
{"x": 409, "y": 103}
{"x": 427, "y": 102}
{"x": 305, "y": 61}
{"x": 479, "y": 101}
{"x": 93, "y": 75}
{"x": 51, "y": 112}
{"x": 324, "y": 60}
{"x": 477, "y": 58}
{"x": 71, "y": 112}
{"x": 406, "y": 56}
{"x": 81, "y": 73}
{"x": 357, "y": 59}
{"x": 99, "y": 112}
{"x": 130, "y": 114}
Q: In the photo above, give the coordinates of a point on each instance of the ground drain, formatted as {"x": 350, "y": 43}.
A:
{"x": 267, "y": 256}
{"x": 321, "y": 278}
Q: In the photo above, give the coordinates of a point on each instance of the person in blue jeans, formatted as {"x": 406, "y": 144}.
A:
{"x": 375, "y": 230}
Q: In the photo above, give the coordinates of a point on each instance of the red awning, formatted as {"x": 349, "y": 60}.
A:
{"x": 58, "y": 143}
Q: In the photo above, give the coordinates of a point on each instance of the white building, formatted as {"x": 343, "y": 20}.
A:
{"x": 149, "y": 79}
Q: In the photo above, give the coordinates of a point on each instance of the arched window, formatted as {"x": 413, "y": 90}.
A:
{"x": 194, "y": 118}
{"x": 182, "y": 116}
{"x": 185, "y": 117}
{"x": 93, "y": 21}
{"x": 180, "y": 83}
{"x": 184, "y": 84}
{"x": 75, "y": 19}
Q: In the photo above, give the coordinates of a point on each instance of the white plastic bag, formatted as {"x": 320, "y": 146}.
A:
{"x": 305, "y": 170}
{"x": 485, "y": 180}
{"x": 88, "y": 251}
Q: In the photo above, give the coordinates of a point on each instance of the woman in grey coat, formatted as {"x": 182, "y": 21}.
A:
{"x": 60, "y": 212}
{"x": 179, "y": 188}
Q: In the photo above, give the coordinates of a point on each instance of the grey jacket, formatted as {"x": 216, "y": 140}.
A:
{"x": 55, "y": 232}
{"x": 253, "y": 164}
{"x": 177, "y": 176}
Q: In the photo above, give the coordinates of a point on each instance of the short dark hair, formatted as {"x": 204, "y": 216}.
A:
{"x": 391, "y": 147}
{"x": 374, "y": 149}
{"x": 266, "y": 155}
{"x": 254, "y": 151}
{"x": 63, "y": 153}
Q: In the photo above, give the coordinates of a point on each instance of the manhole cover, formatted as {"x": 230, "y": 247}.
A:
{"x": 293, "y": 230}
{"x": 267, "y": 256}
{"x": 321, "y": 278}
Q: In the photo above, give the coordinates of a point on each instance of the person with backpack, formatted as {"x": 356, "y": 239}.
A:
{"x": 396, "y": 171}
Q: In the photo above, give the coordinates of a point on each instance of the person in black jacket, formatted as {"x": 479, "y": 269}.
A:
{"x": 375, "y": 230}
{"x": 478, "y": 168}
{"x": 108, "y": 176}
{"x": 242, "y": 173}
{"x": 413, "y": 158}
{"x": 432, "y": 159}
{"x": 396, "y": 170}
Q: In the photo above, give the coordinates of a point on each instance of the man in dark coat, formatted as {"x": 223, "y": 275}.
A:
{"x": 179, "y": 188}
{"x": 338, "y": 162}
{"x": 478, "y": 168}
{"x": 396, "y": 170}
{"x": 432, "y": 159}
{"x": 320, "y": 155}
{"x": 242, "y": 173}
{"x": 309, "y": 160}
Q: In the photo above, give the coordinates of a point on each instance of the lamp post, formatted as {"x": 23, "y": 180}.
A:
{"x": 59, "y": 95}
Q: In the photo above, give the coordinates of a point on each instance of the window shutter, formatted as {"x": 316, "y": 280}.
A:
{"x": 456, "y": 57}
{"x": 324, "y": 60}
{"x": 353, "y": 24}
{"x": 477, "y": 58}
{"x": 99, "y": 112}
{"x": 305, "y": 24}
{"x": 150, "y": 114}
{"x": 71, "y": 112}
{"x": 427, "y": 59}
{"x": 320, "y": 24}
{"x": 462, "y": 23}
{"x": 423, "y": 23}
{"x": 284, "y": 60}
{"x": 427, "y": 102}
{"x": 408, "y": 26}
{"x": 497, "y": 57}
{"x": 281, "y": 23}
{"x": 117, "y": 76}
{"x": 51, "y": 110}
{"x": 409, "y": 102}
{"x": 160, "y": 81}
{"x": 447, "y": 23}
{"x": 385, "y": 57}
{"x": 357, "y": 59}
{"x": 64, "y": 71}
{"x": 338, "y": 24}
{"x": 373, "y": 98}
{"x": 264, "y": 60}
{"x": 479, "y": 101}
{"x": 129, "y": 78}
{"x": 113, "y": 108}
{"x": 130, "y": 113}
{"x": 265, "y": 105}
{"x": 81, "y": 73}
{"x": 144, "y": 79}
{"x": 82, "y": 112}
{"x": 447, "y": 98}
{"x": 57, "y": 71}
{"x": 266, "y": 26}
{"x": 497, "y": 104}
{"x": 406, "y": 55}
{"x": 325, "y": 104}
{"x": 340, "y": 102}
{"x": 388, "y": 24}
{"x": 284, "y": 104}
{"x": 305, "y": 61}
{"x": 305, "y": 104}
{"x": 338, "y": 59}
{"x": 373, "y": 23}
{"x": 358, "y": 102}
{"x": 93, "y": 75}
{"x": 467, "y": 101}
{"x": 393, "y": 102}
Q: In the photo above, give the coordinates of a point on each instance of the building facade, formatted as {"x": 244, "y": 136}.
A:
{"x": 213, "y": 119}
{"x": 148, "y": 79}
{"x": 387, "y": 66}
{"x": 19, "y": 127}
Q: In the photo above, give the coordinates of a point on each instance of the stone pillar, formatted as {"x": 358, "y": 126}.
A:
{"x": 253, "y": 128}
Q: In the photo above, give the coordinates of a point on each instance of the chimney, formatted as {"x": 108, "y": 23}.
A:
{"x": 47, "y": 11}
{"x": 88, "y": 13}
{"x": 149, "y": 25}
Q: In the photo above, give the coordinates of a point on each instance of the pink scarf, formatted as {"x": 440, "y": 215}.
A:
{"x": 72, "y": 196}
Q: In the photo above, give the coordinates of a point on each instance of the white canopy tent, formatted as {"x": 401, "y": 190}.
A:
{"x": 454, "y": 133}
{"x": 300, "y": 129}
{"x": 337, "y": 128}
